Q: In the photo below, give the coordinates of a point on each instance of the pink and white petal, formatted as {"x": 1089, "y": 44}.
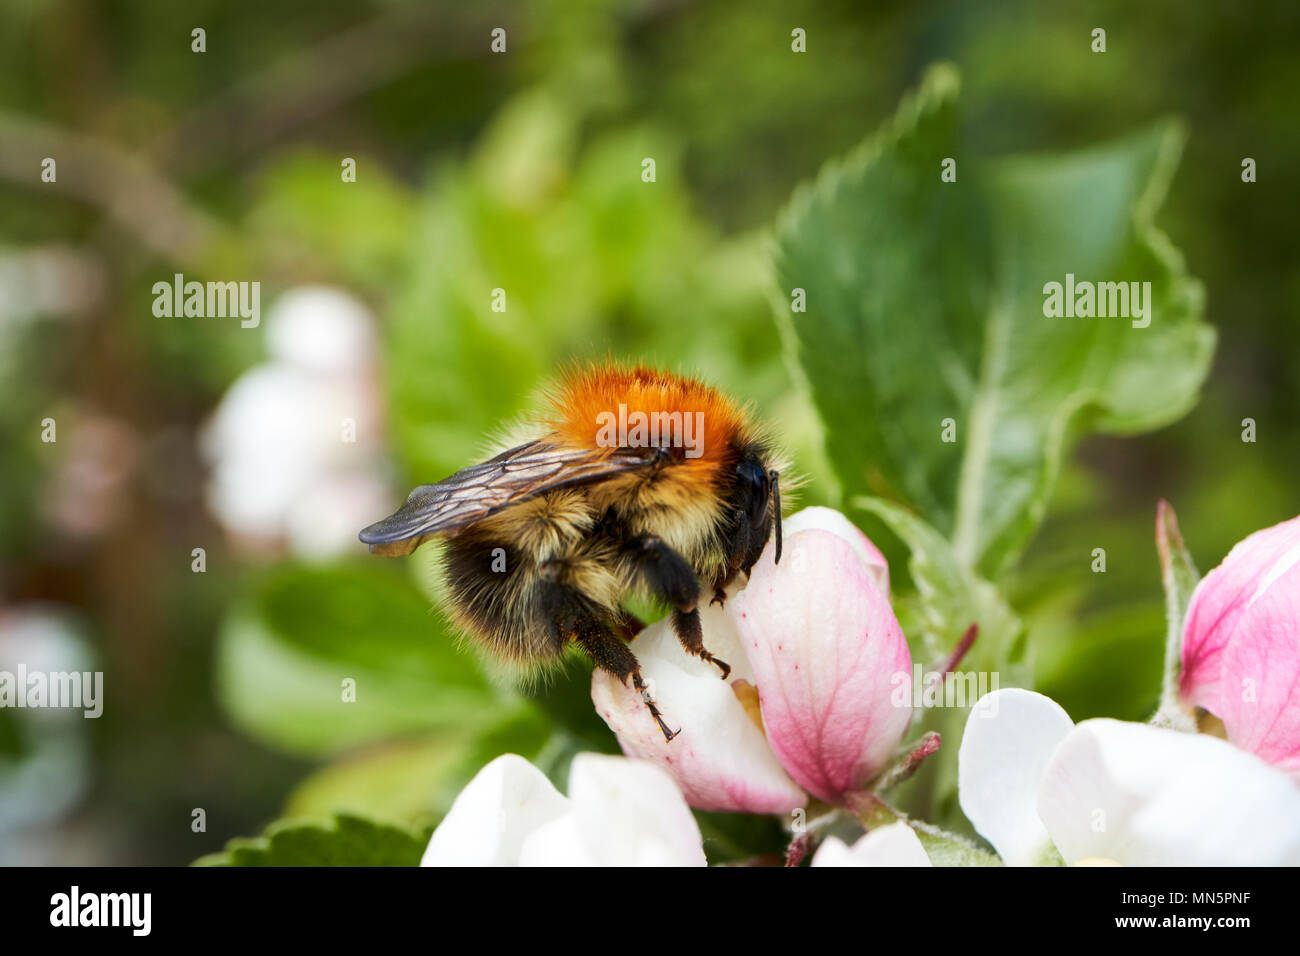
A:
{"x": 895, "y": 844}
{"x": 1259, "y": 695}
{"x": 720, "y": 758}
{"x": 1009, "y": 738}
{"x": 1219, "y": 600}
{"x": 828, "y": 519}
{"x": 492, "y": 817}
{"x": 1150, "y": 796}
{"x": 824, "y": 646}
{"x": 623, "y": 813}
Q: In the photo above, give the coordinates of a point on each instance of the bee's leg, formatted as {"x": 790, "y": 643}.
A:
{"x": 671, "y": 578}
{"x": 668, "y": 575}
{"x": 612, "y": 655}
{"x": 720, "y": 587}
{"x": 687, "y": 626}
{"x": 574, "y": 617}
{"x": 774, "y": 479}
{"x": 739, "y": 544}
{"x": 629, "y": 624}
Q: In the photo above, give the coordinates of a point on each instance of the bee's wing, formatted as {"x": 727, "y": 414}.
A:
{"x": 481, "y": 490}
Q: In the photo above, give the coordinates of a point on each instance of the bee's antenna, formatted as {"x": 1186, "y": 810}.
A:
{"x": 776, "y": 505}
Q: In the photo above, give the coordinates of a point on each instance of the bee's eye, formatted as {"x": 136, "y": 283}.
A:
{"x": 752, "y": 477}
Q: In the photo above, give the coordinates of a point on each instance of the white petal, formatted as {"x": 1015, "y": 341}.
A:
{"x": 624, "y": 813}
{"x": 557, "y": 843}
{"x": 720, "y": 759}
{"x": 834, "y": 852}
{"x": 487, "y": 825}
{"x": 1148, "y": 796}
{"x": 895, "y": 844}
{"x": 1010, "y": 736}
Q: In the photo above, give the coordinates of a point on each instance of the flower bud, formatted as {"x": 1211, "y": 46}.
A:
{"x": 1241, "y": 645}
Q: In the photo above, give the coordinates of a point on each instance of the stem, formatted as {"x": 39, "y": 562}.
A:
{"x": 974, "y": 465}
{"x": 962, "y": 649}
{"x": 1169, "y": 543}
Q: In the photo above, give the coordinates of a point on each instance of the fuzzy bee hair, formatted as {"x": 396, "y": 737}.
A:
{"x": 545, "y": 541}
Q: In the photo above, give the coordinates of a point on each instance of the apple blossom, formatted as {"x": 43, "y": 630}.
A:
{"x": 618, "y": 813}
{"x": 49, "y": 772}
{"x": 895, "y": 844}
{"x": 813, "y": 645}
{"x": 286, "y": 465}
{"x": 1034, "y": 785}
{"x": 1241, "y": 645}
{"x": 720, "y": 758}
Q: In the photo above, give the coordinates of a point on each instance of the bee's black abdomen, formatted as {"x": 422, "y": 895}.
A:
{"x": 495, "y": 592}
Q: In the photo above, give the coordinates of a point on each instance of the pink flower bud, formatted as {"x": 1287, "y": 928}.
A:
{"x": 824, "y": 646}
{"x": 813, "y": 645}
{"x": 1241, "y": 645}
{"x": 828, "y": 519}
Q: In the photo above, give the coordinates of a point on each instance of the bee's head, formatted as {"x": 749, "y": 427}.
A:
{"x": 758, "y": 495}
{"x": 753, "y": 489}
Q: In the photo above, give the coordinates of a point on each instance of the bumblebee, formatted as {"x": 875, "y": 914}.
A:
{"x": 640, "y": 482}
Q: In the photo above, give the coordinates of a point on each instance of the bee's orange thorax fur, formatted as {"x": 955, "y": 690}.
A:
{"x": 587, "y": 394}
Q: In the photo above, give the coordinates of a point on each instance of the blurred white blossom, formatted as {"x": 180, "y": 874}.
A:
{"x": 296, "y": 443}
{"x": 47, "y": 280}
{"x": 50, "y": 773}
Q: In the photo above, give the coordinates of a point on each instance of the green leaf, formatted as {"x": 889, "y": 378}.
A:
{"x": 366, "y": 613}
{"x": 950, "y": 596}
{"x": 301, "y": 202}
{"x": 1179, "y": 575}
{"x": 396, "y": 782}
{"x": 282, "y": 660}
{"x": 949, "y": 849}
{"x": 343, "y": 841}
{"x": 415, "y": 780}
{"x": 925, "y": 303}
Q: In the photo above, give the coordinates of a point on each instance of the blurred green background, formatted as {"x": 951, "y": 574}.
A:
{"x": 519, "y": 171}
